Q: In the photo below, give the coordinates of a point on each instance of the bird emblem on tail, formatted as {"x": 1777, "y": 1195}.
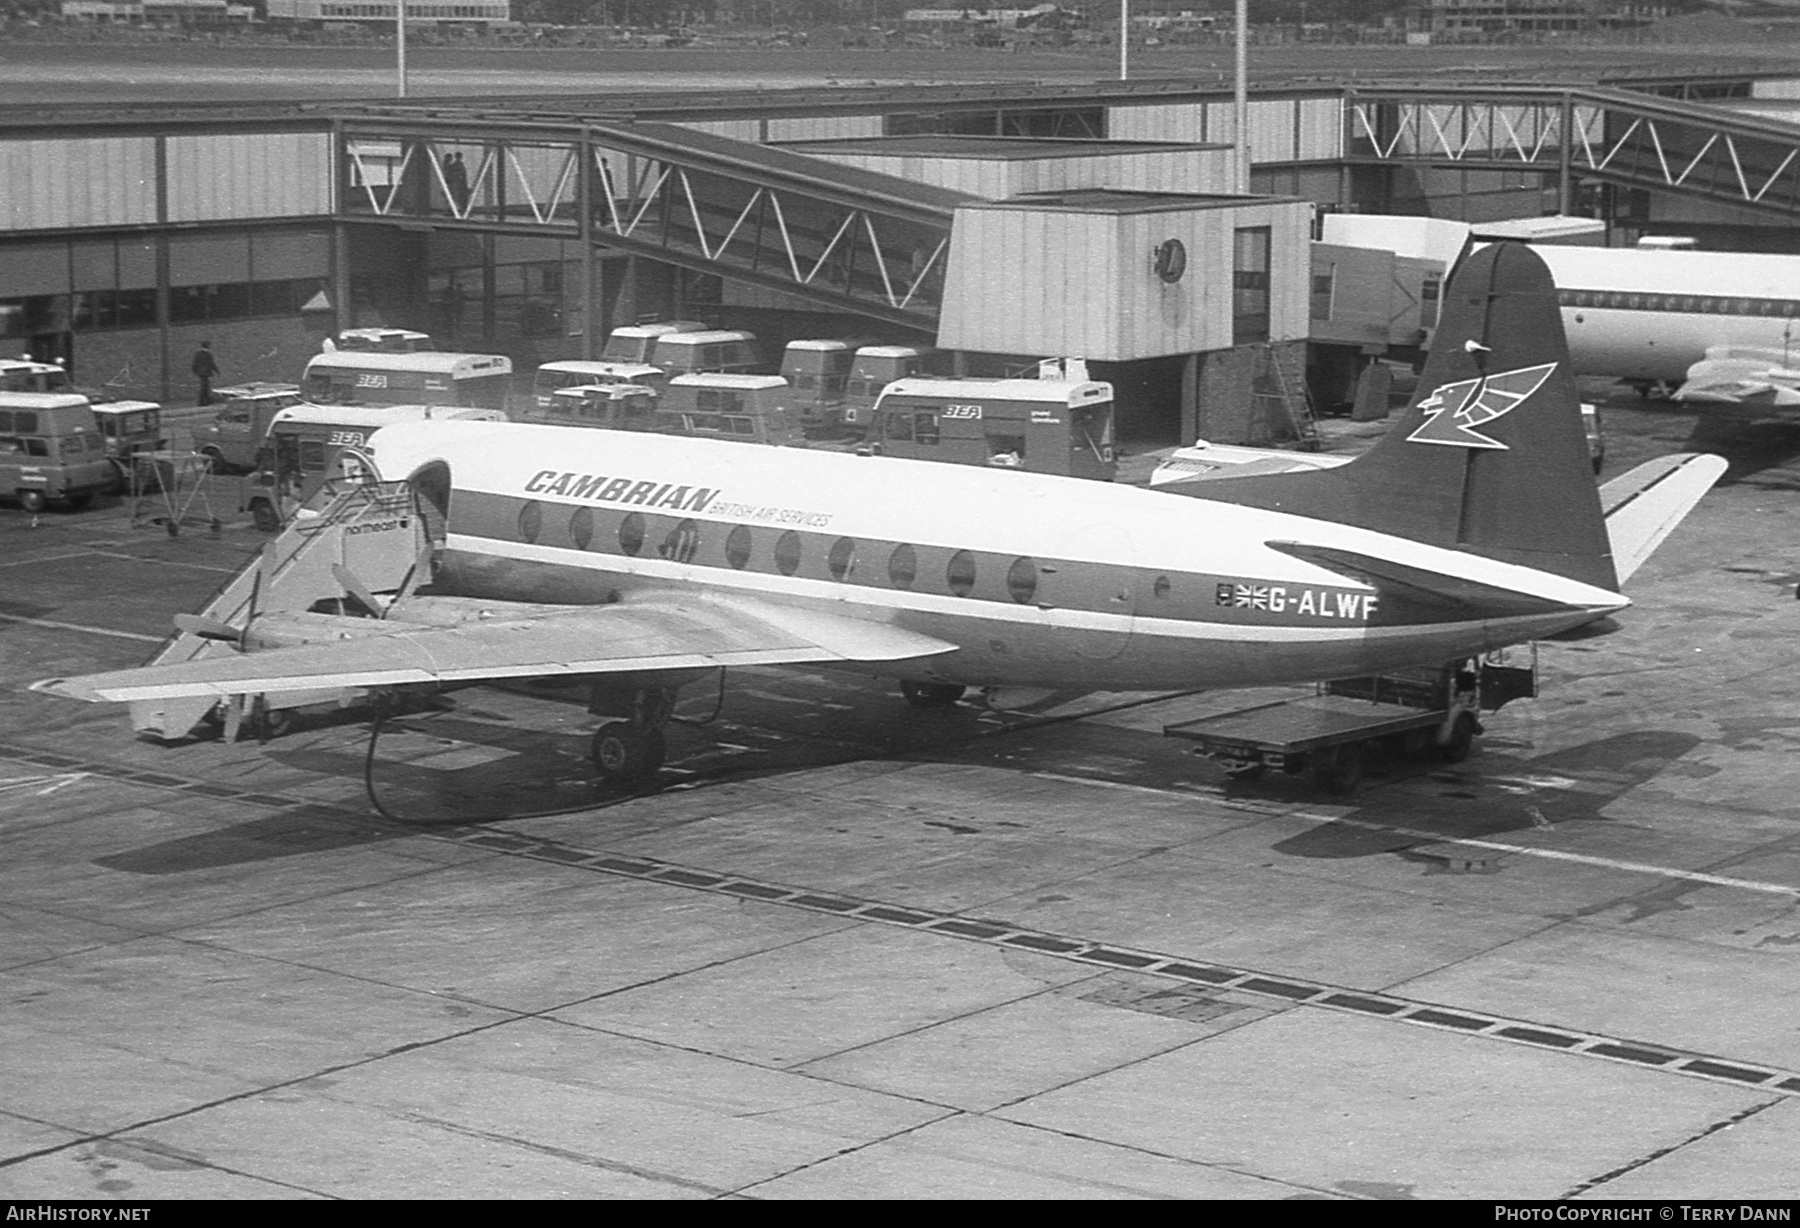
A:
{"x": 1453, "y": 411}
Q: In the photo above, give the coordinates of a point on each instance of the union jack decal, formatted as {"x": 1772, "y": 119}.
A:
{"x": 1453, "y": 411}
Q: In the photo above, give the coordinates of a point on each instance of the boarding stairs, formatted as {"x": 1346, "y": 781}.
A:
{"x": 370, "y": 530}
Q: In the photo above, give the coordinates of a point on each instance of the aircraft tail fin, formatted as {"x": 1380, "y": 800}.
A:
{"x": 1491, "y": 457}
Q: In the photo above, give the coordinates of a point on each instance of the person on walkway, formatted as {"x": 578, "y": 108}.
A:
{"x": 205, "y": 367}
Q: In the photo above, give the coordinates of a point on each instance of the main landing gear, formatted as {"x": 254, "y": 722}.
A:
{"x": 931, "y": 694}
{"x": 630, "y": 747}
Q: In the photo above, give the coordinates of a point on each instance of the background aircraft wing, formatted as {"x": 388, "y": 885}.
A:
{"x": 665, "y": 632}
{"x": 1644, "y": 505}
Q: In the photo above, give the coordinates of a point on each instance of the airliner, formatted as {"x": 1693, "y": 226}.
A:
{"x": 643, "y": 562}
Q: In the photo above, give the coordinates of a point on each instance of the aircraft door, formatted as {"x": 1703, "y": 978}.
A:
{"x": 1104, "y": 583}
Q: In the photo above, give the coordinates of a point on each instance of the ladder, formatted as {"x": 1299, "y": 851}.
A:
{"x": 1269, "y": 383}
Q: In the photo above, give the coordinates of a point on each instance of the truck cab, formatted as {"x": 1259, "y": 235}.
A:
{"x": 873, "y": 368}
{"x": 230, "y": 441}
{"x": 729, "y": 405}
{"x": 712, "y": 350}
{"x": 129, "y": 427}
{"x": 51, "y": 449}
{"x": 634, "y": 343}
{"x": 24, "y": 375}
{"x": 818, "y": 371}
{"x": 1044, "y": 426}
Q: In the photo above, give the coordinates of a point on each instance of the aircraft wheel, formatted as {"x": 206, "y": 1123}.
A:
{"x": 32, "y": 501}
{"x": 1338, "y": 770}
{"x": 1246, "y": 771}
{"x": 1462, "y": 740}
{"x": 622, "y": 751}
{"x": 931, "y": 694}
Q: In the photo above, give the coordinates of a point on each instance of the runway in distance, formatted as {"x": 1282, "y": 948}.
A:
{"x": 643, "y": 562}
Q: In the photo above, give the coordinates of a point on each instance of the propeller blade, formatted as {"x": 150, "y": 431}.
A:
{"x": 357, "y": 589}
{"x": 417, "y": 575}
{"x": 208, "y": 628}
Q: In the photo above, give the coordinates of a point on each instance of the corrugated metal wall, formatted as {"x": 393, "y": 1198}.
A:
{"x": 55, "y": 185}
{"x": 1281, "y": 129}
{"x": 267, "y": 174}
{"x": 1177, "y": 170}
{"x": 824, "y": 127}
{"x": 1064, "y": 282}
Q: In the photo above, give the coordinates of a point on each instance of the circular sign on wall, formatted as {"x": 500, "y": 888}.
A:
{"x": 1171, "y": 260}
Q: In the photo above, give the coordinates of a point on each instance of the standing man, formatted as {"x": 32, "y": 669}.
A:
{"x": 205, "y": 367}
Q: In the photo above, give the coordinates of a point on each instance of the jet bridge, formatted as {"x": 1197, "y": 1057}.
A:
{"x": 1611, "y": 135}
{"x": 838, "y": 236}
{"x": 354, "y": 534}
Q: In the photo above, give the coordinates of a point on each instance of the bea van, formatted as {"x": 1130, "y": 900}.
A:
{"x": 51, "y": 449}
{"x": 427, "y": 377}
{"x": 713, "y": 350}
{"x": 1045, "y": 426}
{"x": 634, "y": 342}
{"x": 873, "y": 368}
{"x": 818, "y": 371}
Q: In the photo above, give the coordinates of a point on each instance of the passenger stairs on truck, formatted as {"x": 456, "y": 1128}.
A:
{"x": 371, "y": 533}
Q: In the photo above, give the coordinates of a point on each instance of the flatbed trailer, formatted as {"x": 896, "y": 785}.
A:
{"x": 1333, "y": 731}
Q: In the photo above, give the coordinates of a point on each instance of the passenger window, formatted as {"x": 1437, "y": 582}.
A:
{"x": 1021, "y": 580}
{"x": 897, "y": 427}
{"x": 312, "y": 455}
{"x": 631, "y": 534}
{"x": 37, "y": 447}
{"x": 903, "y": 566}
{"x": 737, "y": 547}
{"x": 581, "y": 527}
{"x": 960, "y": 574}
{"x": 925, "y": 427}
{"x": 787, "y": 553}
{"x": 682, "y": 543}
{"x": 531, "y": 521}
{"x": 842, "y": 558}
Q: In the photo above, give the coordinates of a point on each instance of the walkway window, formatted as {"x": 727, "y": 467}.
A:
{"x": 960, "y": 575}
{"x": 787, "y": 553}
{"x": 1250, "y": 286}
{"x": 903, "y": 566}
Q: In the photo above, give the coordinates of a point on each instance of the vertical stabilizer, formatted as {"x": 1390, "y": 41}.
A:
{"x": 1491, "y": 457}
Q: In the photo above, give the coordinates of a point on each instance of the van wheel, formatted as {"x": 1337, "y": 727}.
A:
{"x": 32, "y": 500}
{"x": 215, "y": 462}
{"x": 263, "y": 515}
{"x": 81, "y": 503}
{"x": 1338, "y": 770}
{"x": 1462, "y": 740}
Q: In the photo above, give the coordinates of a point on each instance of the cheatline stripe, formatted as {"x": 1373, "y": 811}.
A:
{"x": 1293, "y": 991}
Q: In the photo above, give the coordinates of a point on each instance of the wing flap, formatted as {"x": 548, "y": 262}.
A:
{"x": 662, "y": 633}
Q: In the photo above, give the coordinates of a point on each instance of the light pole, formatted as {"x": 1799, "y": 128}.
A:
{"x": 1124, "y": 40}
{"x": 1241, "y": 97}
{"x": 400, "y": 44}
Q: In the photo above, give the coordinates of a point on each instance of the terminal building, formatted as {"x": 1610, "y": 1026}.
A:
{"x": 1005, "y": 224}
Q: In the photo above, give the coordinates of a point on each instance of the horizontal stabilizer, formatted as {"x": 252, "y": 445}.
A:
{"x": 663, "y": 633}
{"x": 1424, "y": 589}
{"x": 1643, "y": 506}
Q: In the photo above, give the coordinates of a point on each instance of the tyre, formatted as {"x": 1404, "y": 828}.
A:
{"x": 1338, "y": 770}
{"x": 81, "y": 502}
{"x": 931, "y": 694}
{"x": 1462, "y": 740}
{"x": 32, "y": 500}
{"x": 262, "y": 514}
{"x": 215, "y": 462}
{"x": 623, "y": 752}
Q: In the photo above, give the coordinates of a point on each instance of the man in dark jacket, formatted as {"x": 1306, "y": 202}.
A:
{"x": 205, "y": 367}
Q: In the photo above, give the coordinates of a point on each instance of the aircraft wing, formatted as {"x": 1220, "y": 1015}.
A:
{"x": 665, "y": 632}
{"x": 1645, "y": 504}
